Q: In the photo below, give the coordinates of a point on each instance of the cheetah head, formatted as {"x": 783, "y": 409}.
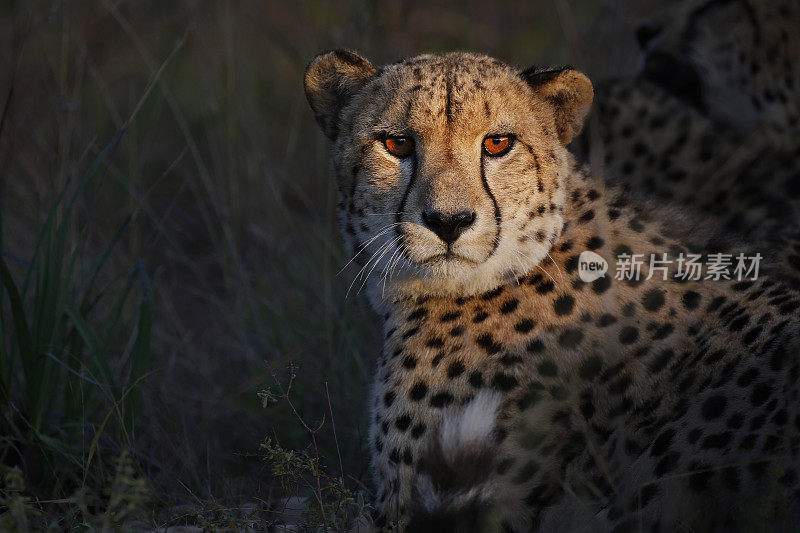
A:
{"x": 735, "y": 60}
{"x": 451, "y": 169}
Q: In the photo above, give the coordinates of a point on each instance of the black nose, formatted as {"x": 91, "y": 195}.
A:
{"x": 448, "y": 227}
{"x": 646, "y": 32}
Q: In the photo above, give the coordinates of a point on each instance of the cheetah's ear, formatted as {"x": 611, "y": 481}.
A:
{"x": 331, "y": 79}
{"x": 569, "y": 92}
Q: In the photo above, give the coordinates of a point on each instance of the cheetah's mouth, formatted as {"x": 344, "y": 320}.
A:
{"x": 448, "y": 257}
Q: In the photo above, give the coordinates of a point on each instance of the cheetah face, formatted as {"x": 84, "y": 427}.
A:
{"x": 732, "y": 59}
{"x": 451, "y": 169}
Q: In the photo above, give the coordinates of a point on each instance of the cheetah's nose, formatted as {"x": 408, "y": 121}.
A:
{"x": 448, "y": 227}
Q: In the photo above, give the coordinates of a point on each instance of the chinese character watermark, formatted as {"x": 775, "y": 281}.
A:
{"x": 687, "y": 267}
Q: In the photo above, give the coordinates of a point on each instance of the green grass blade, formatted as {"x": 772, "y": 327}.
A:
{"x": 87, "y": 284}
{"x": 90, "y": 339}
{"x": 140, "y": 357}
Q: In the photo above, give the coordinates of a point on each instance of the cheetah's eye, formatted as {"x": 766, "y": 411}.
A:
{"x": 497, "y": 145}
{"x": 399, "y": 146}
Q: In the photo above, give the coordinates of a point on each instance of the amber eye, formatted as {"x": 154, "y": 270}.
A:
{"x": 497, "y": 145}
{"x": 399, "y": 146}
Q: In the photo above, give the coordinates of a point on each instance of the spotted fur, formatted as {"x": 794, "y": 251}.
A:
{"x": 650, "y": 404}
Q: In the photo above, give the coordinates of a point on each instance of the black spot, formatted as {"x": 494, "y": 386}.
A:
{"x": 594, "y": 243}
{"x": 715, "y": 303}
{"x": 509, "y": 306}
{"x": 535, "y": 346}
{"x": 757, "y": 422}
{"x": 547, "y": 368}
{"x": 620, "y": 385}
{"x": 545, "y": 287}
{"x": 760, "y": 394}
{"x": 713, "y": 407}
{"x": 476, "y": 379}
{"x": 647, "y": 493}
{"x": 717, "y": 440}
{"x": 480, "y": 316}
{"x": 449, "y": 317}
{"x": 601, "y": 285}
{"x": 742, "y": 285}
{"x": 410, "y": 332}
{"x": 571, "y": 264}
{"x": 606, "y": 320}
{"x": 504, "y": 382}
{"x": 748, "y": 442}
{"x": 510, "y": 360}
{"x": 417, "y": 431}
{"x": 419, "y": 312}
{"x": 586, "y": 217}
{"x": 441, "y": 399}
{"x": 663, "y": 332}
{"x": 563, "y": 305}
{"x": 388, "y": 399}
{"x": 661, "y": 361}
{"x": 751, "y": 336}
{"x": 487, "y": 342}
{"x": 653, "y": 300}
{"x": 739, "y": 323}
{"x": 735, "y": 421}
{"x": 491, "y": 295}
{"x": 407, "y": 457}
{"x": 781, "y": 417}
{"x": 535, "y": 279}
{"x": 628, "y": 335}
{"x": 418, "y": 391}
{"x": 409, "y": 361}
{"x": 457, "y": 331}
{"x": 570, "y": 338}
{"x": 524, "y": 325}
{"x": 590, "y": 367}
{"x": 394, "y": 456}
{"x": 623, "y": 249}
{"x": 455, "y": 369}
{"x": 435, "y": 342}
{"x": 402, "y": 422}
{"x": 747, "y": 377}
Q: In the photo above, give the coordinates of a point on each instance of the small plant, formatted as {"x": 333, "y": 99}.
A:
{"x": 327, "y": 503}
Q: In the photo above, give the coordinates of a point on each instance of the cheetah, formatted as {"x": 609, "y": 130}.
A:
{"x": 512, "y": 392}
{"x": 711, "y": 123}
{"x": 745, "y": 77}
